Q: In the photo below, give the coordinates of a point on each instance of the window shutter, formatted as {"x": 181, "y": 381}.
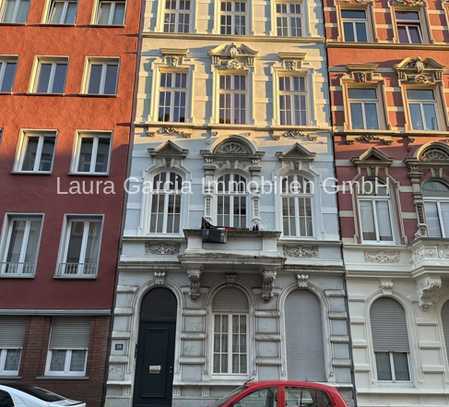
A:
{"x": 69, "y": 334}
{"x": 389, "y": 326}
{"x": 230, "y": 299}
{"x": 304, "y": 336}
{"x": 445, "y": 319}
{"x": 12, "y": 332}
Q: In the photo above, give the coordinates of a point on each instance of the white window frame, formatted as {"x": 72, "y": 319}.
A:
{"x": 297, "y": 197}
{"x": 178, "y": 12}
{"x": 407, "y": 24}
{"x": 104, "y": 62}
{"x": 353, "y": 21}
{"x": 233, "y": 15}
{"x": 438, "y": 202}
{"x": 16, "y": 10}
{"x": 53, "y": 61}
{"x": 229, "y": 373}
{"x": 3, "y": 63}
{"x": 301, "y": 16}
{"x": 292, "y": 93}
{"x": 231, "y": 195}
{"x": 233, "y": 92}
{"x": 172, "y": 92}
{"x": 23, "y": 144}
{"x": 3, "y": 353}
{"x": 6, "y": 241}
{"x": 393, "y": 369}
{"x": 48, "y": 11}
{"x": 373, "y": 200}
{"x": 363, "y": 103}
{"x": 96, "y": 136}
{"x": 96, "y": 14}
{"x": 68, "y": 359}
{"x": 65, "y": 242}
{"x": 436, "y": 104}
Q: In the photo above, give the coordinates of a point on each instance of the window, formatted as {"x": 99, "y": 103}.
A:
{"x": 445, "y": 321}
{"x": 231, "y": 201}
{"x": 103, "y": 76}
{"x": 409, "y": 27}
{"x": 68, "y": 347}
{"x": 12, "y": 333}
{"x": 110, "y": 12}
{"x": 292, "y": 100}
{"x": 297, "y": 206}
{"x": 92, "y": 153}
{"x": 390, "y": 340}
{"x": 36, "y": 152}
{"x": 177, "y": 16}
{"x": 166, "y": 203}
{"x": 436, "y": 205}
{"x": 354, "y": 25}
{"x": 375, "y": 211}
{"x": 172, "y": 97}
{"x": 15, "y": 11}
{"x": 50, "y": 76}
{"x": 233, "y": 17}
{"x": 230, "y": 324}
{"x": 297, "y": 397}
{"x": 364, "y": 108}
{"x": 288, "y": 19}
{"x": 62, "y": 12}
{"x": 261, "y": 397}
{"x": 232, "y": 99}
{"x": 5, "y": 399}
{"x": 422, "y": 108}
{"x": 7, "y": 73}
{"x": 80, "y": 247}
{"x": 21, "y": 241}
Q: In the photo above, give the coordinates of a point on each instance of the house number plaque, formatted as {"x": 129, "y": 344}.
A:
{"x": 154, "y": 369}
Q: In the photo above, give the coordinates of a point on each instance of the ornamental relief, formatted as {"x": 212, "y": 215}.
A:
{"x": 233, "y": 57}
{"x": 429, "y": 289}
{"x": 409, "y": 3}
{"x": 382, "y": 256}
{"x": 161, "y": 249}
{"x": 416, "y": 70}
{"x": 423, "y": 253}
{"x": 168, "y": 131}
{"x": 301, "y": 251}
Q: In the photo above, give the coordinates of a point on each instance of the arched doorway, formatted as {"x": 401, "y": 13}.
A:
{"x": 304, "y": 337}
{"x": 156, "y": 349}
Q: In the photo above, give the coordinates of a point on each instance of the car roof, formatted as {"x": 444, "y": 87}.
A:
{"x": 293, "y": 383}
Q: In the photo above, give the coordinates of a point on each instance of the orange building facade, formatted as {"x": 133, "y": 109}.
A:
{"x": 67, "y": 72}
{"x": 389, "y": 84}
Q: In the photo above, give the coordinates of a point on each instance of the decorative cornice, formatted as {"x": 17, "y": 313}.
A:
{"x": 173, "y": 56}
{"x": 168, "y": 131}
{"x": 420, "y": 71}
{"x": 292, "y": 61}
{"x": 233, "y": 56}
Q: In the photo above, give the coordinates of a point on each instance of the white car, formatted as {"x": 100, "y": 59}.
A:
{"x": 22, "y": 395}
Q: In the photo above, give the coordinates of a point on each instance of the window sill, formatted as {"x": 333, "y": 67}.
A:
{"x": 93, "y": 25}
{"x": 17, "y": 276}
{"x": 45, "y": 94}
{"x": 33, "y": 173}
{"x": 53, "y": 25}
{"x": 6, "y": 93}
{"x": 59, "y": 377}
{"x": 95, "y": 95}
{"x": 10, "y": 377}
{"x": 11, "y": 24}
{"x": 72, "y": 277}
{"x": 86, "y": 174}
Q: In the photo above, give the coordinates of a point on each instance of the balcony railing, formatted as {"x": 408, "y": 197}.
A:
{"x": 16, "y": 269}
{"x": 77, "y": 270}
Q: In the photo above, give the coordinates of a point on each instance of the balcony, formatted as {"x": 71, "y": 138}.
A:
{"x": 77, "y": 270}
{"x": 17, "y": 269}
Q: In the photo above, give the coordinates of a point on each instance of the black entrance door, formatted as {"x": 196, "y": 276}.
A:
{"x": 156, "y": 350}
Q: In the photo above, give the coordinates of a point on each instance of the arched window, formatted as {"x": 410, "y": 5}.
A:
{"x": 390, "y": 340}
{"x": 304, "y": 336}
{"x": 230, "y": 342}
{"x": 231, "y": 201}
{"x": 166, "y": 203}
{"x": 375, "y": 210}
{"x": 436, "y": 204}
{"x": 297, "y": 206}
{"x": 445, "y": 319}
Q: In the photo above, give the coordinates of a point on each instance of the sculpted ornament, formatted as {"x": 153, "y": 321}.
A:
{"x": 382, "y": 257}
{"x": 159, "y": 278}
{"x": 428, "y": 291}
{"x": 195, "y": 286}
{"x": 301, "y": 251}
{"x": 267, "y": 284}
{"x": 161, "y": 249}
{"x": 302, "y": 280}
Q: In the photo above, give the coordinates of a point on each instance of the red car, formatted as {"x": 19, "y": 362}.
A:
{"x": 277, "y": 393}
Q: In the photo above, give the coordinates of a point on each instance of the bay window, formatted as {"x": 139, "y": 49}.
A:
{"x": 436, "y": 205}
{"x": 166, "y": 203}
{"x": 232, "y": 99}
{"x": 422, "y": 109}
{"x": 292, "y": 100}
{"x": 364, "y": 105}
{"x": 231, "y": 201}
{"x": 80, "y": 247}
{"x": 20, "y": 245}
{"x": 172, "y": 97}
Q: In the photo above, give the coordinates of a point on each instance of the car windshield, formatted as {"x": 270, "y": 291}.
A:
{"x": 223, "y": 400}
{"x": 38, "y": 392}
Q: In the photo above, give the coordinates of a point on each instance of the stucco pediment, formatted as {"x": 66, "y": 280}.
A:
{"x": 373, "y": 156}
{"x": 233, "y": 56}
{"x": 169, "y": 149}
{"x": 297, "y": 152}
{"x": 362, "y": 73}
{"x": 419, "y": 70}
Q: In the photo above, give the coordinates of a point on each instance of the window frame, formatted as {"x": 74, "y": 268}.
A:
{"x": 439, "y": 114}
{"x": 96, "y": 13}
{"x": 302, "y": 18}
{"x": 233, "y": 92}
{"x": 424, "y": 24}
{"x": 22, "y": 146}
{"x": 5, "y": 241}
{"x": 96, "y": 135}
{"x": 37, "y": 66}
{"x": 438, "y": 201}
{"x": 177, "y": 12}
{"x": 291, "y": 95}
{"x": 353, "y": 22}
{"x": 229, "y": 353}
{"x": 233, "y": 14}
{"x": 409, "y": 23}
{"x": 231, "y": 195}
{"x": 104, "y": 61}
{"x": 393, "y": 368}
{"x": 4, "y": 60}
{"x": 48, "y": 10}
{"x": 3, "y": 354}
{"x": 87, "y": 219}
{"x": 172, "y": 90}
{"x": 16, "y": 10}
{"x": 363, "y": 102}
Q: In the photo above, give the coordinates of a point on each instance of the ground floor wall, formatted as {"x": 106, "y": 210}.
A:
{"x": 195, "y": 384}
{"x": 88, "y": 387}
{"x": 428, "y": 359}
